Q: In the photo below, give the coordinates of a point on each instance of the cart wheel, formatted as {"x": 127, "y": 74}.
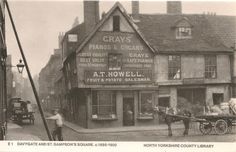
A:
{"x": 230, "y": 127}
{"x": 205, "y": 127}
{"x": 221, "y": 127}
{"x": 229, "y": 130}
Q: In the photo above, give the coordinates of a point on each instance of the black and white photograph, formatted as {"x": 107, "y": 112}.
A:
{"x": 118, "y": 71}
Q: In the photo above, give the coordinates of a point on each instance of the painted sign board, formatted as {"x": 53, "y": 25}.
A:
{"x": 134, "y": 53}
{"x": 118, "y": 77}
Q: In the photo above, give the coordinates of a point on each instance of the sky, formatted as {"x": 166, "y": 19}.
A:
{"x": 39, "y": 23}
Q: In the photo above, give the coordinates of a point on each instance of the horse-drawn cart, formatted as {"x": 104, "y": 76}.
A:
{"x": 220, "y": 123}
{"x": 22, "y": 110}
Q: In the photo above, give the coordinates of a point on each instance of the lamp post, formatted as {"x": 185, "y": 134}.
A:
{"x": 20, "y": 66}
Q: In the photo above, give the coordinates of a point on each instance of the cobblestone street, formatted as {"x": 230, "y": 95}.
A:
{"x": 37, "y": 132}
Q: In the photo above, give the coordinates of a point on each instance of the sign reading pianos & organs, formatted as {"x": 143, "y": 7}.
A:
{"x": 118, "y": 77}
{"x": 134, "y": 53}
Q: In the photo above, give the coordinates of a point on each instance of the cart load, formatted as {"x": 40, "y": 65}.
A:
{"x": 232, "y": 105}
{"x": 220, "y": 118}
{"x": 224, "y": 108}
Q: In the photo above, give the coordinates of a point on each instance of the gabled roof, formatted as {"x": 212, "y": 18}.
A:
{"x": 209, "y": 33}
{"x": 105, "y": 18}
{"x": 159, "y": 32}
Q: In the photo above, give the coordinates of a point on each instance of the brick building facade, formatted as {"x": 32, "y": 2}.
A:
{"x": 117, "y": 68}
{"x": 48, "y": 77}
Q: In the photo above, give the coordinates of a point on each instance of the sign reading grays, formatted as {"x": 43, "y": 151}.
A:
{"x": 118, "y": 77}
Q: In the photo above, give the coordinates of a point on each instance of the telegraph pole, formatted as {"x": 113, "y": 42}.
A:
{"x": 28, "y": 72}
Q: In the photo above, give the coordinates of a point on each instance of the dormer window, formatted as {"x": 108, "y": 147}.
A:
{"x": 116, "y": 23}
{"x": 183, "y": 33}
{"x": 72, "y": 38}
{"x": 183, "y": 29}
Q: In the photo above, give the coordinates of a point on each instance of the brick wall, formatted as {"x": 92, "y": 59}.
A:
{"x": 91, "y": 14}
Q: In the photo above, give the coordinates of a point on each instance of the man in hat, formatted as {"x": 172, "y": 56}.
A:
{"x": 58, "y": 125}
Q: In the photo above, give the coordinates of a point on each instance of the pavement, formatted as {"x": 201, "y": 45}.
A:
{"x": 14, "y": 133}
{"x": 79, "y": 129}
{"x": 122, "y": 129}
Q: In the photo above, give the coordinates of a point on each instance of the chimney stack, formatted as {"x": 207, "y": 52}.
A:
{"x": 135, "y": 7}
{"x": 76, "y": 22}
{"x": 174, "y": 7}
{"x": 60, "y": 38}
{"x": 91, "y": 14}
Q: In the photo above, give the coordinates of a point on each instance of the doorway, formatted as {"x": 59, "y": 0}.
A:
{"x": 163, "y": 102}
{"x": 128, "y": 111}
{"x": 217, "y": 98}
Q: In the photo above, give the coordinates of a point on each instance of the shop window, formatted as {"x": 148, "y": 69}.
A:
{"x": 114, "y": 61}
{"x": 103, "y": 104}
{"x": 174, "y": 67}
{"x": 116, "y": 23}
{"x": 146, "y": 104}
{"x": 183, "y": 33}
{"x": 210, "y": 67}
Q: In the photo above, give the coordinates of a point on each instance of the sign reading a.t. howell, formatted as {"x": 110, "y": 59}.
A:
{"x": 118, "y": 77}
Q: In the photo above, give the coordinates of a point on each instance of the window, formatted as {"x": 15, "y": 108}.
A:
{"x": 210, "y": 66}
{"x": 104, "y": 104}
{"x": 146, "y": 103}
{"x": 72, "y": 37}
{"x": 116, "y": 23}
{"x": 114, "y": 61}
{"x": 174, "y": 67}
{"x": 183, "y": 32}
{"x": 217, "y": 98}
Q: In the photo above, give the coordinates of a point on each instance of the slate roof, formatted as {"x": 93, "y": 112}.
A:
{"x": 225, "y": 27}
{"x": 159, "y": 31}
{"x": 210, "y": 33}
{"x": 80, "y": 30}
{"x": 120, "y": 8}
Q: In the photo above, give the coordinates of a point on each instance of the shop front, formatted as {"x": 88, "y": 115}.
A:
{"x": 121, "y": 107}
{"x": 120, "y": 98}
{"x": 117, "y": 68}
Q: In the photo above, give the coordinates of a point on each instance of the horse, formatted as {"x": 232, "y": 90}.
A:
{"x": 170, "y": 116}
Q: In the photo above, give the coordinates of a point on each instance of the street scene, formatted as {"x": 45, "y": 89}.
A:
{"x": 155, "y": 133}
{"x": 118, "y": 71}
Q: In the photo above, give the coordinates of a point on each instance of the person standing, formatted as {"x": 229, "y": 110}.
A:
{"x": 57, "y": 132}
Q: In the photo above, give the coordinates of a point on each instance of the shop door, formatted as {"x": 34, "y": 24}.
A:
{"x": 128, "y": 111}
{"x": 163, "y": 102}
